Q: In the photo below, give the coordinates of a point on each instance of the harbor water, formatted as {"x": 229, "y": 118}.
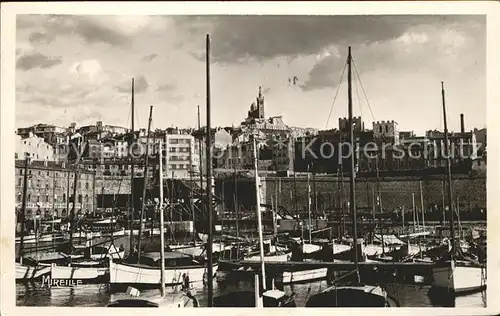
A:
{"x": 98, "y": 295}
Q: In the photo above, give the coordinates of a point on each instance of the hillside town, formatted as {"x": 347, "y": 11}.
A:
{"x": 104, "y": 153}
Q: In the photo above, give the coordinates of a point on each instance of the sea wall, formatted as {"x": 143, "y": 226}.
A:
{"x": 395, "y": 192}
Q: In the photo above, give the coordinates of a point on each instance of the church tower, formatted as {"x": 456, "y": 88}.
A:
{"x": 260, "y": 104}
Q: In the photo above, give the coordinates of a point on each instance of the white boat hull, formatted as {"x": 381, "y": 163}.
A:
{"x": 192, "y": 251}
{"x": 305, "y": 275}
{"x": 170, "y": 300}
{"x": 117, "y": 233}
{"x": 372, "y": 250}
{"x": 339, "y": 248}
{"x": 310, "y": 248}
{"x": 31, "y": 239}
{"x": 134, "y": 232}
{"x": 104, "y": 221}
{"x": 130, "y": 274}
{"x": 279, "y": 258}
{"x": 76, "y": 273}
{"x": 459, "y": 279}
{"x": 30, "y": 273}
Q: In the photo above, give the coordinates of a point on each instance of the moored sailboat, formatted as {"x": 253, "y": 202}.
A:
{"x": 30, "y": 273}
{"x": 147, "y": 272}
{"x": 454, "y": 272}
{"x": 355, "y": 294}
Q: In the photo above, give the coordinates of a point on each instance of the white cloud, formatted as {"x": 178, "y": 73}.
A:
{"x": 87, "y": 71}
{"x": 413, "y": 38}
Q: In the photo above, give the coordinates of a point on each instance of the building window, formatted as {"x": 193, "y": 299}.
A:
{"x": 38, "y": 198}
{"x": 48, "y": 173}
{"x": 21, "y": 171}
{"x": 64, "y": 197}
{"x": 20, "y": 182}
{"x": 79, "y": 198}
{"x": 46, "y": 198}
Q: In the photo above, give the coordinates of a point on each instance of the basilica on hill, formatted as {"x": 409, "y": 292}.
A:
{"x": 274, "y": 137}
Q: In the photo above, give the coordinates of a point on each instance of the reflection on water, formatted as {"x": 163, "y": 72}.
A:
{"x": 33, "y": 294}
{"x": 99, "y": 294}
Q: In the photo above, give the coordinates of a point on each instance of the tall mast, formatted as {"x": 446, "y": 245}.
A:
{"x": 199, "y": 151}
{"x": 191, "y": 184}
{"x": 342, "y": 198}
{"x": 309, "y": 204}
{"x": 295, "y": 192}
{"x": 259, "y": 214}
{"x": 72, "y": 213}
{"x": 131, "y": 154}
{"x": 22, "y": 216}
{"x": 162, "y": 223}
{"x": 209, "y": 179}
{"x": 275, "y": 211}
{"x": 315, "y": 194}
{"x": 146, "y": 165}
{"x": 448, "y": 171}
{"x": 54, "y": 197}
{"x": 423, "y": 207}
{"x": 379, "y": 204}
{"x": 351, "y": 169}
{"x": 94, "y": 201}
{"x": 236, "y": 206}
{"x": 373, "y": 213}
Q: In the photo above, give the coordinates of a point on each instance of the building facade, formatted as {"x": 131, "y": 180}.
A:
{"x": 51, "y": 134}
{"x": 181, "y": 156}
{"x": 35, "y": 147}
{"x": 50, "y": 189}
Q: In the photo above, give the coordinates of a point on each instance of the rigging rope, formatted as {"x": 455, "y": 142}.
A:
{"x": 363, "y": 89}
{"x": 336, "y": 94}
{"x": 357, "y": 94}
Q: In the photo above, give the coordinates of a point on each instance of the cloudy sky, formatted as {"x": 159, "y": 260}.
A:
{"x": 79, "y": 68}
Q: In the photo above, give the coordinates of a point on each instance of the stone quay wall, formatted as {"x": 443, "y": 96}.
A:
{"x": 394, "y": 192}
